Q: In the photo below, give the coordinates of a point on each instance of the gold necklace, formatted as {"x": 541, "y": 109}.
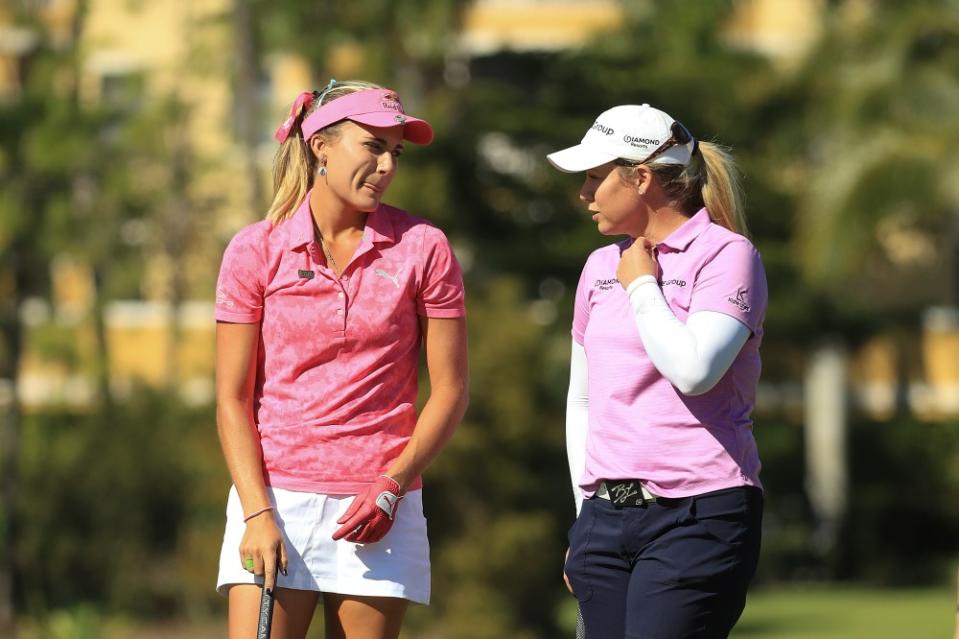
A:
{"x": 329, "y": 255}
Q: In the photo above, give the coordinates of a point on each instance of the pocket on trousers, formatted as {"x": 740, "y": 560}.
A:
{"x": 716, "y": 538}
{"x": 576, "y": 567}
{"x": 731, "y": 518}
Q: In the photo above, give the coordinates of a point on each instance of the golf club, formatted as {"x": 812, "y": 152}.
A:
{"x": 264, "y": 626}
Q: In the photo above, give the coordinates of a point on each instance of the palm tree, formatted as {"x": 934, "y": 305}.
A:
{"x": 878, "y": 207}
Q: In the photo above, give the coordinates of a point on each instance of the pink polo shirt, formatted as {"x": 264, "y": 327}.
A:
{"x": 336, "y": 377}
{"x": 640, "y": 425}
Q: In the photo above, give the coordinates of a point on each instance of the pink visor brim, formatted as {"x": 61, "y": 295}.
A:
{"x": 374, "y": 107}
{"x": 415, "y": 130}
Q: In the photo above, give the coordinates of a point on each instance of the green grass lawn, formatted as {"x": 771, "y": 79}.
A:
{"x": 827, "y": 612}
{"x": 774, "y": 612}
{"x": 837, "y": 612}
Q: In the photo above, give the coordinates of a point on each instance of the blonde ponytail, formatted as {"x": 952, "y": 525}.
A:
{"x": 294, "y": 165}
{"x": 710, "y": 180}
{"x": 293, "y": 169}
{"x": 721, "y": 190}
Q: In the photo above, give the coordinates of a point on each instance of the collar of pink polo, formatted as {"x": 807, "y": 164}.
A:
{"x": 379, "y": 228}
{"x": 681, "y": 238}
{"x": 375, "y": 107}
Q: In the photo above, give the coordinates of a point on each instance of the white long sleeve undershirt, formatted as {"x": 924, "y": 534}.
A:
{"x": 692, "y": 356}
{"x": 577, "y": 419}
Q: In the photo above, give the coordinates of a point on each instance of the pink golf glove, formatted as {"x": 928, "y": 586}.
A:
{"x": 370, "y": 516}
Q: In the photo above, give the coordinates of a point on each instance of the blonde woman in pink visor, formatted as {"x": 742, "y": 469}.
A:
{"x": 321, "y": 311}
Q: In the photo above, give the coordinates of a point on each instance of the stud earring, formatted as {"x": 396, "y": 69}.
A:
{"x": 321, "y": 171}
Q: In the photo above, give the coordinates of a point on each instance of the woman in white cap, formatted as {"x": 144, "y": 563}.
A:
{"x": 321, "y": 311}
{"x": 665, "y": 361}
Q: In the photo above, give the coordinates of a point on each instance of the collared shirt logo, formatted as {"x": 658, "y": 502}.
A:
{"x": 605, "y": 285}
{"x": 222, "y": 299}
{"x": 740, "y": 299}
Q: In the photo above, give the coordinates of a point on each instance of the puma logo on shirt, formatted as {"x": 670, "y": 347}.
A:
{"x": 385, "y": 275}
{"x": 222, "y": 299}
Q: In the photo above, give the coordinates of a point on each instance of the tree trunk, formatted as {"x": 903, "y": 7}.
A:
{"x": 246, "y": 103}
{"x": 178, "y": 223}
{"x": 12, "y": 333}
{"x": 102, "y": 344}
{"x": 954, "y": 258}
{"x": 10, "y": 447}
{"x": 826, "y": 412}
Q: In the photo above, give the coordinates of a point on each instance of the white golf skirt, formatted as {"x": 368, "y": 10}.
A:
{"x": 396, "y": 566}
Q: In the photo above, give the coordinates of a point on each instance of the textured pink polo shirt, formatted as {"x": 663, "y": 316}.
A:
{"x": 640, "y": 425}
{"x": 337, "y": 364}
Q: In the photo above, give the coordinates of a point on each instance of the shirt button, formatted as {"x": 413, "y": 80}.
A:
{"x": 339, "y": 311}
{"x": 340, "y": 295}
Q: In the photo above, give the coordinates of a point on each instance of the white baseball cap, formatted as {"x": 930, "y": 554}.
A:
{"x": 637, "y": 133}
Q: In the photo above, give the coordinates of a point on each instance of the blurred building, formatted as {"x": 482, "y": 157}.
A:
{"x": 134, "y": 54}
{"x": 535, "y": 25}
{"x": 782, "y": 30}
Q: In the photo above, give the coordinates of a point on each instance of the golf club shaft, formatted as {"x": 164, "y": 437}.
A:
{"x": 265, "y": 624}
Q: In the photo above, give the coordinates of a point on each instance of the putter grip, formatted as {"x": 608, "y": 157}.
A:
{"x": 264, "y": 625}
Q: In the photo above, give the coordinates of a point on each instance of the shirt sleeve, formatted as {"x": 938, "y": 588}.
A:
{"x": 241, "y": 283}
{"x": 581, "y": 308}
{"x": 733, "y": 282}
{"x": 441, "y": 293}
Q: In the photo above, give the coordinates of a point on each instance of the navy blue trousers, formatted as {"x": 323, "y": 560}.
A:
{"x": 674, "y": 568}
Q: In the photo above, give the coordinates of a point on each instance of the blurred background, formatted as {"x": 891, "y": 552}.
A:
{"x": 136, "y": 139}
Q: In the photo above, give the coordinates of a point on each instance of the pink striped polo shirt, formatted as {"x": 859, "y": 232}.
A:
{"x": 640, "y": 425}
{"x": 336, "y": 377}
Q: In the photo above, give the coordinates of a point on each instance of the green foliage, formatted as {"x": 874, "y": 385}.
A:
{"x": 879, "y": 140}
{"x": 111, "y": 506}
{"x": 496, "y": 499}
{"x": 82, "y": 622}
{"x": 903, "y": 516}
{"x": 391, "y": 34}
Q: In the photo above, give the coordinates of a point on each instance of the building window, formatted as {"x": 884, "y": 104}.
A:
{"x": 122, "y": 91}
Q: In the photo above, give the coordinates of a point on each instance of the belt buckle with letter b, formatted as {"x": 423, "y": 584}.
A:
{"x": 625, "y": 493}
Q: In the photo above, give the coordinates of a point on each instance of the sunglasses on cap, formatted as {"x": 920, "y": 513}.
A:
{"x": 679, "y": 135}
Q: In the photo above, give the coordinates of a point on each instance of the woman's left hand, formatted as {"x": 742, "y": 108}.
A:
{"x": 370, "y": 515}
{"x": 639, "y": 259}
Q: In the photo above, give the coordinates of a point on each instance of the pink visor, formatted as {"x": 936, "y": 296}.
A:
{"x": 375, "y": 107}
